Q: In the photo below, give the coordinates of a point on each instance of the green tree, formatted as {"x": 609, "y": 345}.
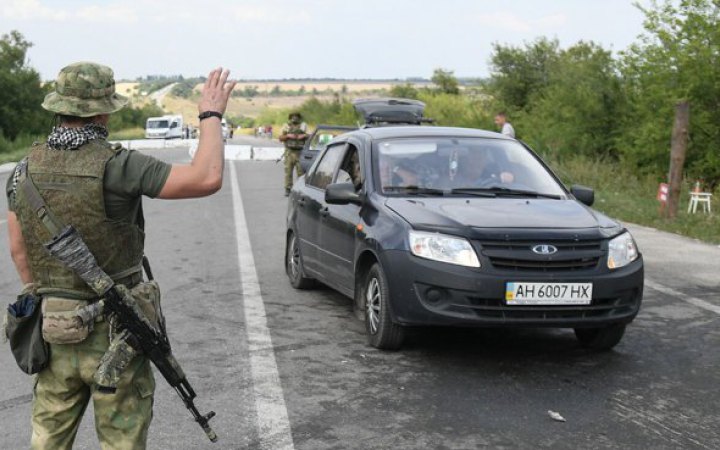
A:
{"x": 576, "y": 111}
{"x": 185, "y": 88}
{"x": 445, "y": 81}
{"x": 21, "y": 92}
{"x": 519, "y": 72}
{"x": 676, "y": 58}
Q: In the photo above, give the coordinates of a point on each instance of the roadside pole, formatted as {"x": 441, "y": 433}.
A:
{"x": 678, "y": 149}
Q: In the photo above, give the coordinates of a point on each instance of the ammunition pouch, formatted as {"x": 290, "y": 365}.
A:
{"x": 147, "y": 296}
{"x": 62, "y": 323}
{"x": 117, "y": 358}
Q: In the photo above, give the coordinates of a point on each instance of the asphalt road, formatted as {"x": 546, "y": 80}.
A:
{"x": 289, "y": 369}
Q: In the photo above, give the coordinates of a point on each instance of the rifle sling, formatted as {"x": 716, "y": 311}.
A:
{"x": 53, "y": 225}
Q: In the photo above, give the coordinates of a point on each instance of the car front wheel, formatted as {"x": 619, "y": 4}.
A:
{"x": 382, "y": 332}
{"x": 294, "y": 265}
{"x": 600, "y": 339}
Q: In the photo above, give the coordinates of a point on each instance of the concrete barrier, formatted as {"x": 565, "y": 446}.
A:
{"x": 267, "y": 153}
{"x": 238, "y": 152}
{"x": 148, "y": 144}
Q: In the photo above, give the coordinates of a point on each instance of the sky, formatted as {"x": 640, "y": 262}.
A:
{"x": 305, "y": 38}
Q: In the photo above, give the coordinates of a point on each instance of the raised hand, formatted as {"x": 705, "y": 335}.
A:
{"x": 216, "y": 91}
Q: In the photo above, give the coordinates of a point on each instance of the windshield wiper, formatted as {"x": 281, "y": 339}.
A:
{"x": 415, "y": 190}
{"x": 480, "y": 192}
{"x": 497, "y": 190}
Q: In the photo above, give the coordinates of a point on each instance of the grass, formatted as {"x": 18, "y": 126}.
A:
{"x": 630, "y": 197}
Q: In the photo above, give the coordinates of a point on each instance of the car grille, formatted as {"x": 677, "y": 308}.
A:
{"x": 615, "y": 307}
{"x": 519, "y": 257}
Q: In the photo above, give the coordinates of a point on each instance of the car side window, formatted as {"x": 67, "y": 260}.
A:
{"x": 325, "y": 169}
{"x": 350, "y": 171}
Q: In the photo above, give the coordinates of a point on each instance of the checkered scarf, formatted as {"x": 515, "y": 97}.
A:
{"x": 63, "y": 138}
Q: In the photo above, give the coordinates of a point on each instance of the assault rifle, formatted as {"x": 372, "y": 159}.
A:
{"x": 68, "y": 247}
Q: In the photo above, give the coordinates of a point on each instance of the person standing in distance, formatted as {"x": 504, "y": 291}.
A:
{"x": 505, "y": 127}
{"x": 293, "y": 135}
{"x": 97, "y": 187}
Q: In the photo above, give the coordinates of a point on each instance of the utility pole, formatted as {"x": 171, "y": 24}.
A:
{"x": 678, "y": 149}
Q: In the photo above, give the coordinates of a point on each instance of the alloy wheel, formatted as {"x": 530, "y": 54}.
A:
{"x": 372, "y": 303}
{"x": 294, "y": 258}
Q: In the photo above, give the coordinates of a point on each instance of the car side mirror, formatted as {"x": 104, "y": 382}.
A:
{"x": 342, "y": 194}
{"x": 583, "y": 194}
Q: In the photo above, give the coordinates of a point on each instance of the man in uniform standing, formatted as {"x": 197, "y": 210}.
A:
{"x": 293, "y": 135}
{"x": 98, "y": 187}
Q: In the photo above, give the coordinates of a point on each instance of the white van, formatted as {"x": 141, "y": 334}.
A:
{"x": 165, "y": 127}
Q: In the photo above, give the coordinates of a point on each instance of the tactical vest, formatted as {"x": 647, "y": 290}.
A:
{"x": 295, "y": 144}
{"x": 71, "y": 183}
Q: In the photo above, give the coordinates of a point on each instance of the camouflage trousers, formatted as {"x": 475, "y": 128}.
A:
{"x": 64, "y": 389}
{"x": 292, "y": 161}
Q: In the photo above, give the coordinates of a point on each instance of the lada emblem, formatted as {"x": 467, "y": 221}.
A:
{"x": 545, "y": 249}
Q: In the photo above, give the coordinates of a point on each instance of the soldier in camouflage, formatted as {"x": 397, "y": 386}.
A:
{"x": 293, "y": 135}
{"x": 97, "y": 187}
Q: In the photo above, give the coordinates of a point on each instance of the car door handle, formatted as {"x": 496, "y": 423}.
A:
{"x": 301, "y": 201}
{"x": 324, "y": 211}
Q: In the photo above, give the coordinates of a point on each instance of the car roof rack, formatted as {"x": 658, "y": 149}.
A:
{"x": 391, "y": 111}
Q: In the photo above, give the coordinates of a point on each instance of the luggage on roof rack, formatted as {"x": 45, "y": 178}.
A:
{"x": 391, "y": 111}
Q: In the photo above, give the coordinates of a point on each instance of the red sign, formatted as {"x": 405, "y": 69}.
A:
{"x": 662, "y": 194}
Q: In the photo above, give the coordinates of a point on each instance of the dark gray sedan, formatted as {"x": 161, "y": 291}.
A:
{"x": 458, "y": 227}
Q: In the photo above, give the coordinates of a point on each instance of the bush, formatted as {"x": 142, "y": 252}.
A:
{"x": 11, "y": 151}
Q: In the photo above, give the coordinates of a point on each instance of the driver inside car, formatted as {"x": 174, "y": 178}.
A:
{"x": 350, "y": 170}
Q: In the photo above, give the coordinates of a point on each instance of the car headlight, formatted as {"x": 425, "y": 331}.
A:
{"x": 443, "y": 248}
{"x": 622, "y": 252}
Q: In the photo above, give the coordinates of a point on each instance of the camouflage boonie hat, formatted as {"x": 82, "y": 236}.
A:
{"x": 84, "y": 89}
{"x": 295, "y": 113}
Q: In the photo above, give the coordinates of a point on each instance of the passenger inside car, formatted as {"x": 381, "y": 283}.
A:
{"x": 397, "y": 172}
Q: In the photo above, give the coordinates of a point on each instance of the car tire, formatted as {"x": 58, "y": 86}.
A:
{"x": 294, "y": 265}
{"x": 600, "y": 339}
{"x": 381, "y": 331}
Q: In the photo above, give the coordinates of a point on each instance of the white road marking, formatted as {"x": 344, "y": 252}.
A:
{"x": 700, "y": 303}
{"x": 272, "y": 416}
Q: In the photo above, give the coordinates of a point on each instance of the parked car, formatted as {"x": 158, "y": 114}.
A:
{"x": 428, "y": 226}
{"x": 317, "y": 142}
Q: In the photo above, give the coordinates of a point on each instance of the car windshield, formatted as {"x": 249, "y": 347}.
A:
{"x": 466, "y": 166}
{"x": 157, "y": 124}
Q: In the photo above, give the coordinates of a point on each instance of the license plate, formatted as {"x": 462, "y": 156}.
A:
{"x": 517, "y": 293}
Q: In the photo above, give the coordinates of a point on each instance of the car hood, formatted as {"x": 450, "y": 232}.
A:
{"x": 449, "y": 213}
